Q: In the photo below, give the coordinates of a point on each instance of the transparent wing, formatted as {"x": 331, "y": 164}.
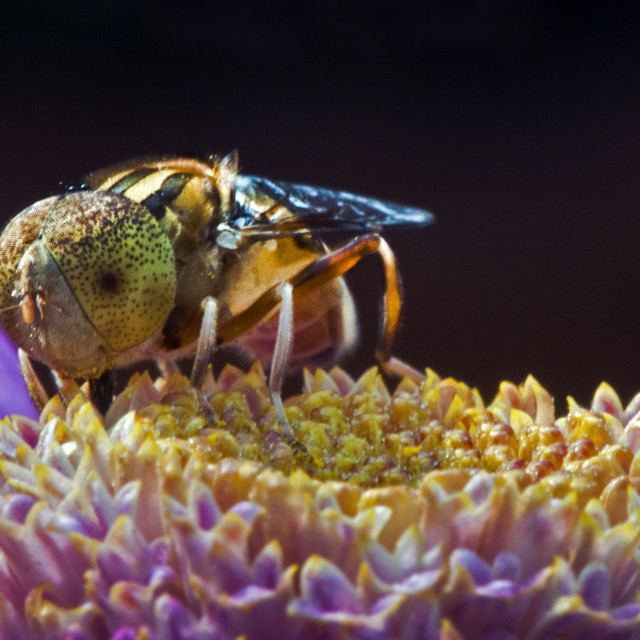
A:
{"x": 267, "y": 207}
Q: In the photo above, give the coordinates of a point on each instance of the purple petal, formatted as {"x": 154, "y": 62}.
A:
{"x": 627, "y": 612}
{"x": 249, "y": 595}
{"x": 17, "y": 507}
{"x": 595, "y": 586}
{"x": 476, "y": 566}
{"x": 14, "y": 395}
{"x": 76, "y": 634}
{"x": 248, "y": 511}
{"x": 162, "y": 575}
{"x": 499, "y": 589}
{"x": 327, "y": 589}
{"x": 125, "y": 633}
{"x": 172, "y": 616}
{"x": 268, "y": 566}
{"x": 480, "y": 487}
{"x": 420, "y": 581}
{"x": 506, "y": 566}
{"x": 206, "y": 510}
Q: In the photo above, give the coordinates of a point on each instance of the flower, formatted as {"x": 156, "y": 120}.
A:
{"x": 417, "y": 513}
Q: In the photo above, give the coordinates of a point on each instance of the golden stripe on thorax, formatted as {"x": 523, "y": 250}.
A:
{"x": 180, "y": 197}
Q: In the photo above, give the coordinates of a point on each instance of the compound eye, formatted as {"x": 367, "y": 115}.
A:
{"x": 117, "y": 261}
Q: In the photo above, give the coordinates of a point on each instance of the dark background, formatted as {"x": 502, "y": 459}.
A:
{"x": 518, "y": 126}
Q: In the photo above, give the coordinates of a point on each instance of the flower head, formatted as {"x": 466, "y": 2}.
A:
{"x": 417, "y": 513}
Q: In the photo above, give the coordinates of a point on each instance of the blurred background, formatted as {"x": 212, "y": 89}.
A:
{"x": 517, "y": 124}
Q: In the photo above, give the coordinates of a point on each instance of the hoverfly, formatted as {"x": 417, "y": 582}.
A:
{"x": 163, "y": 258}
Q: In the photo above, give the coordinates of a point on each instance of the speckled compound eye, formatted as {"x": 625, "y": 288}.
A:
{"x": 118, "y": 263}
{"x": 84, "y": 277}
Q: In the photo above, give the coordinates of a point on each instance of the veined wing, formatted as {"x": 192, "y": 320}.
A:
{"x": 270, "y": 208}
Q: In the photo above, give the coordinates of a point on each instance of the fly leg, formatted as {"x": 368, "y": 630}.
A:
{"x": 36, "y": 389}
{"x": 167, "y": 367}
{"x": 204, "y": 349}
{"x": 206, "y": 342}
{"x": 100, "y": 390}
{"x": 327, "y": 267}
{"x": 279, "y": 362}
{"x": 280, "y": 359}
